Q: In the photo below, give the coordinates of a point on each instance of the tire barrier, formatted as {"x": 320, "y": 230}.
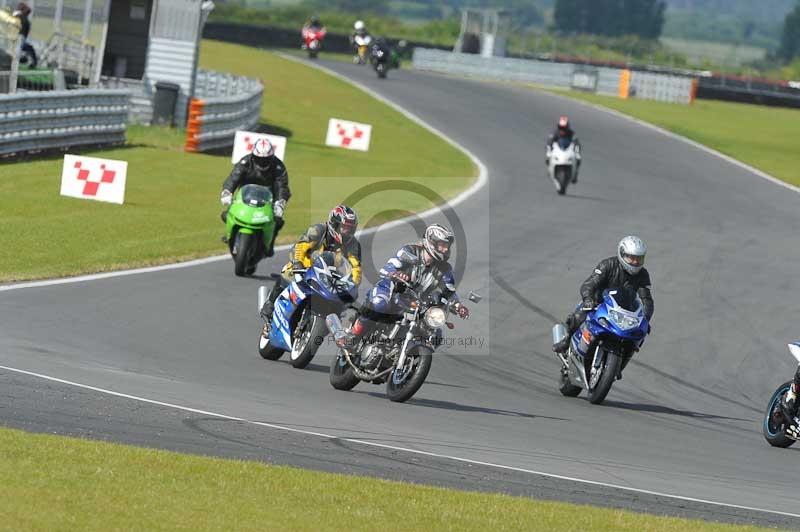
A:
{"x": 39, "y": 121}
{"x": 223, "y": 104}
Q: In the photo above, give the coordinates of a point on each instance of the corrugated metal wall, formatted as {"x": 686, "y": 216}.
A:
{"x": 172, "y": 61}
{"x": 178, "y": 20}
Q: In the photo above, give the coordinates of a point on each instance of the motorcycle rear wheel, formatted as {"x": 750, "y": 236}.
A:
{"x": 342, "y": 376}
{"x": 266, "y": 350}
{"x": 774, "y": 421}
{"x": 308, "y": 341}
{"x": 399, "y": 392}
{"x": 610, "y": 369}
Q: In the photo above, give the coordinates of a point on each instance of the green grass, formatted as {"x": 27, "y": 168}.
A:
{"x": 763, "y": 137}
{"x": 58, "y": 483}
{"x": 172, "y": 199}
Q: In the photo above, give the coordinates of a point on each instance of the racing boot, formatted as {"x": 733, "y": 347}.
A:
{"x": 789, "y": 402}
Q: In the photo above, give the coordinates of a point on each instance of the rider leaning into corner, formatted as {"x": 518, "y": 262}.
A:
{"x": 336, "y": 235}
{"x": 421, "y": 266}
{"x": 564, "y": 131}
{"x": 626, "y": 270}
{"x": 261, "y": 167}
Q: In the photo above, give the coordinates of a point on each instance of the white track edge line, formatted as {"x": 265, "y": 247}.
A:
{"x": 480, "y": 182}
{"x": 393, "y": 447}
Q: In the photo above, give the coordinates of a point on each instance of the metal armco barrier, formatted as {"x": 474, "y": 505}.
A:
{"x": 223, "y": 104}
{"x": 35, "y": 121}
{"x": 603, "y": 80}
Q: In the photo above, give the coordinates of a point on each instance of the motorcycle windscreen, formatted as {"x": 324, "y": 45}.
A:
{"x": 256, "y": 195}
{"x": 564, "y": 143}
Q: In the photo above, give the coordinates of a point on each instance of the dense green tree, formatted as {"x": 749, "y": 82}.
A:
{"x": 644, "y": 18}
{"x": 790, "y": 39}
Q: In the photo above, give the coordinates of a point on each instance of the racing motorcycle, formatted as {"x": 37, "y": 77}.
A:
{"x": 380, "y": 60}
{"x": 400, "y": 353}
{"x": 362, "y": 43}
{"x": 298, "y": 319}
{"x": 775, "y": 420}
{"x": 562, "y": 165}
{"x": 312, "y": 40}
{"x": 603, "y": 345}
{"x": 249, "y": 227}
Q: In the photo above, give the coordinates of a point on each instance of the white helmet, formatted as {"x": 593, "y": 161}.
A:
{"x": 631, "y": 252}
{"x": 359, "y": 25}
{"x": 438, "y": 241}
{"x": 263, "y": 150}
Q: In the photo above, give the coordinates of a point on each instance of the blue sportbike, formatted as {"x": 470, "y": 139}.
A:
{"x": 602, "y": 347}
{"x": 298, "y": 320}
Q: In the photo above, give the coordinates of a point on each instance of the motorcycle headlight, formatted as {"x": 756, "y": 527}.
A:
{"x": 622, "y": 321}
{"x": 435, "y": 317}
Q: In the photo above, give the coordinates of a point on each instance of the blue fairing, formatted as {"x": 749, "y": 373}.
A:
{"x": 316, "y": 281}
{"x": 600, "y": 323}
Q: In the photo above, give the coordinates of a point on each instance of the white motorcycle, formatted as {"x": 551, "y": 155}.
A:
{"x": 361, "y": 43}
{"x": 563, "y": 156}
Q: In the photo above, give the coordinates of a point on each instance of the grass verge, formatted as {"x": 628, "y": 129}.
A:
{"x": 58, "y": 483}
{"x": 763, "y": 137}
{"x": 172, "y": 198}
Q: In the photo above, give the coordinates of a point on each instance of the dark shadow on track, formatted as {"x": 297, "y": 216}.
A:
{"x": 661, "y": 409}
{"x": 458, "y": 407}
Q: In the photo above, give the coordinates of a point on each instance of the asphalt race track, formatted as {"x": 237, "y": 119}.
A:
{"x": 684, "y": 421}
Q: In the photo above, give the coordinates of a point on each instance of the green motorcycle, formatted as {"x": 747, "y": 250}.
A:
{"x": 250, "y": 225}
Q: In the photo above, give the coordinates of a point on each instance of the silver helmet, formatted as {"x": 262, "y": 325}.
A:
{"x": 437, "y": 241}
{"x": 631, "y": 252}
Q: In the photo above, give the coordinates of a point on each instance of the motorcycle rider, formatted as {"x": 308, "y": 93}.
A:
{"x": 421, "y": 265}
{"x": 789, "y": 406}
{"x": 359, "y": 30}
{"x": 564, "y": 131}
{"x": 261, "y": 167}
{"x": 336, "y": 235}
{"x": 380, "y": 50}
{"x": 626, "y": 270}
{"x": 23, "y": 13}
{"x": 314, "y": 23}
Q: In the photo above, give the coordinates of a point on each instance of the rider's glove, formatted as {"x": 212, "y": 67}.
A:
{"x": 225, "y": 198}
{"x": 278, "y": 207}
{"x": 297, "y": 270}
{"x": 588, "y": 304}
{"x": 400, "y": 276}
{"x": 462, "y": 311}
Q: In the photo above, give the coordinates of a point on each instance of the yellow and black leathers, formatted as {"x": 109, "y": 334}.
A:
{"x": 317, "y": 239}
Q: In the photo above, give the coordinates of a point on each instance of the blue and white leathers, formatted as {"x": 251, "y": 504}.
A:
{"x": 321, "y": 284}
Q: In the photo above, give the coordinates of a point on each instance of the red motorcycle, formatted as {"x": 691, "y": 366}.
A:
{"x": 312, "y": 40}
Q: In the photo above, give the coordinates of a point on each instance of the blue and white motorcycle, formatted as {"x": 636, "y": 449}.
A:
{"x": 298, "y": 320}
{"x": 602, "y": 347}
{"x": 776, "y": 421}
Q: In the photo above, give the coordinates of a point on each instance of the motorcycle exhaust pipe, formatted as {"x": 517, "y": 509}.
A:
{"x": 335, "y": 327}
{"x": 263, "y": 295}
{"x": 559, "y": 333}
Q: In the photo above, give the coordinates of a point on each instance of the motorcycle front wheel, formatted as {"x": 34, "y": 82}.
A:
{"x": 562, "y": 178}
{"x": 609, "y": 369}
{"x": 242, "y": 249}
{"x": 774, "y": 420}
{"x": 404, "y": 382}
{"x": 307, "y": 341}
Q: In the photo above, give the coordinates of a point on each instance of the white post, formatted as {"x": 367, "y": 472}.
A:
{"x": 58, "y": 15}
{"x": 87, "y": 20}
{"x": 101, "y": 50}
